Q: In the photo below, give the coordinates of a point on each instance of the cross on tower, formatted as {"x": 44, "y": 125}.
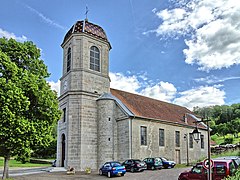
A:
{"x": 86, "y": 13}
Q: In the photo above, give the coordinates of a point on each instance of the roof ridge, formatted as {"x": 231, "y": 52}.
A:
{"x": 148, "y": 98}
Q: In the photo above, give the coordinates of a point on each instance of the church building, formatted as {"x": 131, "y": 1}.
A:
{"x": 102, "y": 124}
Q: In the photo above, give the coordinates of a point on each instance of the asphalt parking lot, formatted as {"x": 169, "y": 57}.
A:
{"x": 164, "y": 174}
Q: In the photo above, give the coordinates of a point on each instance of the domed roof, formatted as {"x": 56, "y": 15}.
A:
{"x": 86, "y": 27}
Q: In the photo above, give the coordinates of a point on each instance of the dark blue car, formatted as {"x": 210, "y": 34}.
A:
{"x": 167, "y": 163}
{"x": 112, "y": 168}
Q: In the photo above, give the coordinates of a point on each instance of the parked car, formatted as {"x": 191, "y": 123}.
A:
{"x": 153, "y": 163}
{"x": 236, "y": 159}
{"x": 167, "y": 163}
{"x": 112, "y": 168}
{"x": 134, "y": 165}
{"x": 221, "y": 168}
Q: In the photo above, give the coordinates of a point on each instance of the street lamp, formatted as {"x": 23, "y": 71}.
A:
{"x": 196, "y": 137}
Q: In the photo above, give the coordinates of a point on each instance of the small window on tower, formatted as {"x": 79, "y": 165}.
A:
{"x": 94, "y": 58}
{"x": 69, "y": 59}
{"x": 64, "y": 115}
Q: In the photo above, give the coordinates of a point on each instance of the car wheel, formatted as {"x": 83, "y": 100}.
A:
{"x": 132, "y": 169}
{"x": 122, "y": 174}
{"x": 109, "y": 174}
{"x": 100, "y": 172}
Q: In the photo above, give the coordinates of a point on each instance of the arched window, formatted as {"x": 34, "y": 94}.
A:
{"x": 69, "y": 59}
{"x": 94, "y": 58}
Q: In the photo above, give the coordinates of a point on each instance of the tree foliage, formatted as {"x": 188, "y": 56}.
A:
{"x": 224, "y": 119}
{"x": 28, "y": 106}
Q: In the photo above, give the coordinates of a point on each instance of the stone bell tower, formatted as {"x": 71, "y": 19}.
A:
{"x": 85, "y": 77}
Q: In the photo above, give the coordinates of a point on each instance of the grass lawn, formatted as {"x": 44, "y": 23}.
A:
{"x": 14, "y": 163}
{"x": 182, "y": 166}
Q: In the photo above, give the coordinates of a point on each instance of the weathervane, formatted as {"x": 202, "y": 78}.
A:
{"x": 86, "y": 13}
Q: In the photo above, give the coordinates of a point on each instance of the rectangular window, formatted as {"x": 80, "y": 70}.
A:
{"x": 64, "y": 115}
{"x": 202, "y": 141}
{"x": 177, "y": 138}
{"x": 143, "y": 135}
{"x": 190, "y": 140}
{"x": 161, "y": 137}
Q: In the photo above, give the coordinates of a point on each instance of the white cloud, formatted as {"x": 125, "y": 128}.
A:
{"x": 55, "y": 86}
{"x": 9, "y": 35}
{"x": 126, "y": 83}
{"x": 211, "y": 29}
{"x": 139, "y": 84}
{"x": 164, "y": 91}
{"x": 201, "y": 97}
{"x": 213, "y": 79}
{"x": 154, "y": 10}
{"x": 45, "y": 19}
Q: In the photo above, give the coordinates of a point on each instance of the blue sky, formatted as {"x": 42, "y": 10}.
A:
{"x": 179, "y": 51}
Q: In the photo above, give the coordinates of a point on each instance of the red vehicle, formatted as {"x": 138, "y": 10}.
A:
{"x": 221, "y": 169}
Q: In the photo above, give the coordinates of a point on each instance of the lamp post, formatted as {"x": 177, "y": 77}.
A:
{"x": 186, "y": 138}
{"x": 197, "y": 136}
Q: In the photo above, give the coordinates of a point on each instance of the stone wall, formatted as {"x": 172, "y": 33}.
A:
{"x": 170, "y": 151}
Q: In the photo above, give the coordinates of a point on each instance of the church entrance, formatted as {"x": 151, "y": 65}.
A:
{"x": 63, "y": 150}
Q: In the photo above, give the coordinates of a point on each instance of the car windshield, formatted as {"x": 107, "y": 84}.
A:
{"x": 164, "y": 159}
{"x": 115, "y": 164}
{"x": 137, "y": 161}
{"x": 197, "y": 169}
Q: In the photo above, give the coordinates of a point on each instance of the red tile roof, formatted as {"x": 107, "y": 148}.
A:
{"x": 149, "y": 108}
{"x": 86, "y": 27}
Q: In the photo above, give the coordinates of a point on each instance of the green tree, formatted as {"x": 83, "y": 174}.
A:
{"x": 28, "y": 106}
{"x": 236, "y": 110}
{"x": 234, "y": 126}
{"x": 223, "y": 129}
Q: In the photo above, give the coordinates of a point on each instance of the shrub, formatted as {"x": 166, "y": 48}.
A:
{"x": 235, "y": 177}
{"x": 228, "y": 140}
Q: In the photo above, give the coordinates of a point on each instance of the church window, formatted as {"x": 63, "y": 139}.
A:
{"x": 177, "y": 138}
{"x": 190, "y": 140}
{"x": 143, "y": 135}
{"x": 202, "y": 141}
{"x": 94, "y": 58}
{"x": 64, "y": 115}
{"x": 161, "y": 137}
{"x": 69, "y": 56}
